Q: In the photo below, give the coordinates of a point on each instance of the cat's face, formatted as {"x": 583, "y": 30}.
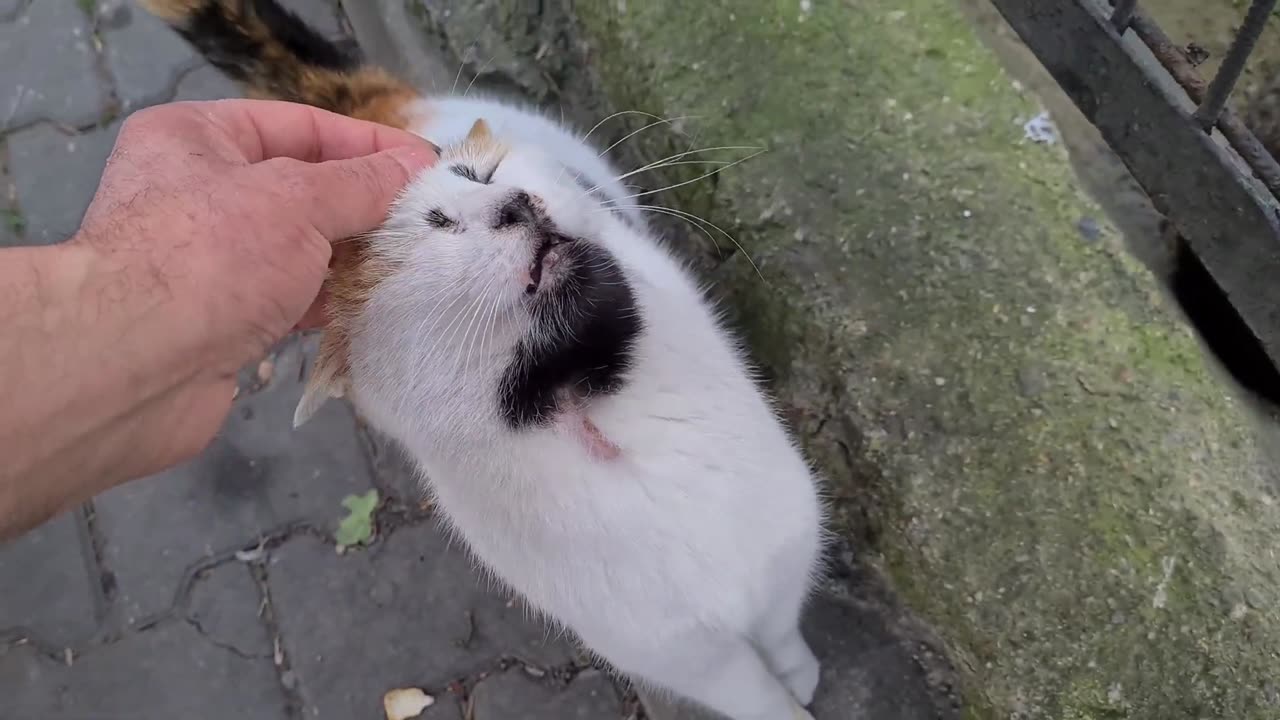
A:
{"x": 496, "y": 275}
{"x": 499, "y": 232}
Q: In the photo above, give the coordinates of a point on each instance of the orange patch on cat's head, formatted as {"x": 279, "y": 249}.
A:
{"x": 480, "y": 147}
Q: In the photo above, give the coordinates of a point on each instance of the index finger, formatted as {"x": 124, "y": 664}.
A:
{"x": 266, "y": 129}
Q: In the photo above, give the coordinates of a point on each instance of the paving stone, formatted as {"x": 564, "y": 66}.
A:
{"x": 259, "y": 475}
{"x": 56, "y": 176}
{"x": 9, "y": 9}
{"x": 47, "y": 584}
{"x": 513, "y": 694}
{"x": 321, "y": 15}
{"x": 867, "y": 672}
{"x": 164, "y": 673}
{"x": 48, "y": 67}
{"x": 393, "y": 469}
{"x": 446, "y": 707}
{"x": 225, "y": 606}
{"x": 144, "y": 55}
{"x": 206, "y": 83}
{"x": 409, "y": 611}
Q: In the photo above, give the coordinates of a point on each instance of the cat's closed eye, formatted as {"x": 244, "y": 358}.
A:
{"x": 469, "y": 173}
{"x": 439, "y": 219}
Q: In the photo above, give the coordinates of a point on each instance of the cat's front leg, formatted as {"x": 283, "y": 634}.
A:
{"x": 721, "y": 671}
{"x": 794, "y": 663}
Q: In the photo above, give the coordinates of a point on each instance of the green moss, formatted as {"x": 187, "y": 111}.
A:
{"x": 1094, "y": 525}
{"x": 14, "y": 221}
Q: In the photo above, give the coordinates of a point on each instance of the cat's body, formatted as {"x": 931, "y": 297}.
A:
{"x": 580, "y": 416}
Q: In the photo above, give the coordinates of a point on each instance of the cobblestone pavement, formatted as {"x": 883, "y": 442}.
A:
{"x": 215, "y": 591}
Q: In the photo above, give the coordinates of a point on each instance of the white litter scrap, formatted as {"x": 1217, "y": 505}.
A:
{"x": 405, "y": 703}
{"x": 1041, "y": 130}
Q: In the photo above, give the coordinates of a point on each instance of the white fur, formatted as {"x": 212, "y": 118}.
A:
{"x": 685, "y": 561}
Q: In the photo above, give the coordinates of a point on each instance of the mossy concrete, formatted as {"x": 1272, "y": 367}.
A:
{"x": 1010, "y": 418}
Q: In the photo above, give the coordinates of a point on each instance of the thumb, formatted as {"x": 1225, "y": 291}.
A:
{"x": 342, "y": 198}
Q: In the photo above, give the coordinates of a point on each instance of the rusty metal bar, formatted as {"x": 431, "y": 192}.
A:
{"x": 1233, "y": 128}
{"x": 1233, "y": 64}
{"x": 1229, "y": 219}
{"x": 1123, "y": 14}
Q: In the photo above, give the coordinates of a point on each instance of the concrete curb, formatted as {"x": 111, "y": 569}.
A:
{"x": 386, "y": 33}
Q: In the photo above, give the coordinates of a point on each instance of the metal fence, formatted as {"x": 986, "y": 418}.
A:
{"x": 1193, "y": 155}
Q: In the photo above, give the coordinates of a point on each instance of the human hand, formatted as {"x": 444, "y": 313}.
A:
{"x": 208, "y": 241}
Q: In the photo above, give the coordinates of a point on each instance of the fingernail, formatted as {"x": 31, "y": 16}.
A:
{"x": 413, "y": 159}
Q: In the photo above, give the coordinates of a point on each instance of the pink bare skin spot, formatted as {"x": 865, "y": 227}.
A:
{"x": 598, "y": 446}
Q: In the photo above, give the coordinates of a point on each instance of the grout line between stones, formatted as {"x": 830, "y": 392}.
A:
{"x": 102, "y": 582}
{"x": 195, "y": 625}
{"x": 21, "y": 635}
{"x": 111, "y": 110}
{"x": 10, "y": 211}
{"x": 294, "y": 705}
{"x": 194, "y": 572}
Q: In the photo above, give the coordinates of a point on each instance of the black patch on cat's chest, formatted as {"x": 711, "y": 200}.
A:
{"x": 588, "y": 325}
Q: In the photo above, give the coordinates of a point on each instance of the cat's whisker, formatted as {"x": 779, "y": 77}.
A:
{"x": 447, "y": 345}
{"x": 480, "y": 306}
{"x": 436, "y": 340}
{"x": 630, "y": 186}
{"x": 659, "y": 210}
{"x": 597, "y": 126}
{"x": 687, "y": 153}
{"x": 476, "y": 77}
{"x": 700, "y": 220}
{"x": 633, "y": 133}
{"x": 673, "y": 186}
{"x": 456, "y": 319}
{"x": 671, "y": 160}
{"x": 434, "y": 318}
{"x": 462, "y": 64}
{"x": 620, "y": 113}
{"x": 482, "y": 330}
{"x": 472, "y": 314}
{"x": 490, "y": 330}
{"x": 443, "y": 294}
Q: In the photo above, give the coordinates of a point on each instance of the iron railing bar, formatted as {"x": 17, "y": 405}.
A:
{"x": 1193, "y": 178}
{"x": 1123, "y": 14}
{"x": 1242, "y": 139}
{"x": 1233, "y": 64}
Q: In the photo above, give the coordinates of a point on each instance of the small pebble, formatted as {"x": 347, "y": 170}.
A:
{"x": 266, "y": 369}
{"x": 1089, "y": 229}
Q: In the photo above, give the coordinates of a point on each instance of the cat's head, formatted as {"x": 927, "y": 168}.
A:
{"x": 492, "y": 267}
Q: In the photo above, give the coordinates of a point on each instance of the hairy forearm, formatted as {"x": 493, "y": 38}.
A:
{"x": 74, "y": 368}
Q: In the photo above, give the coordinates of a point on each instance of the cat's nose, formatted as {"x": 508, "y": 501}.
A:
{"x": 519, "y": 209}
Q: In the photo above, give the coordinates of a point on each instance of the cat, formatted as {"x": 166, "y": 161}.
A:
{"x": 581, "y": 417}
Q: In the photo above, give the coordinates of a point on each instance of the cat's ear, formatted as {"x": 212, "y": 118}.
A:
{"x": 328, "y": 380}
{"x": 479, "y": 132}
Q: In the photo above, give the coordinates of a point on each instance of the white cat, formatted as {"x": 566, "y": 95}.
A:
{"x": 582, "y": 419}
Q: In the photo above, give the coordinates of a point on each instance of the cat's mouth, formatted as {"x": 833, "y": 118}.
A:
{"x": 552, "y": 247}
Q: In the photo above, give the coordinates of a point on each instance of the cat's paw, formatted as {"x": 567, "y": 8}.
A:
{"x": 803, "y": 680}
{"x": 799, "y": 713}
